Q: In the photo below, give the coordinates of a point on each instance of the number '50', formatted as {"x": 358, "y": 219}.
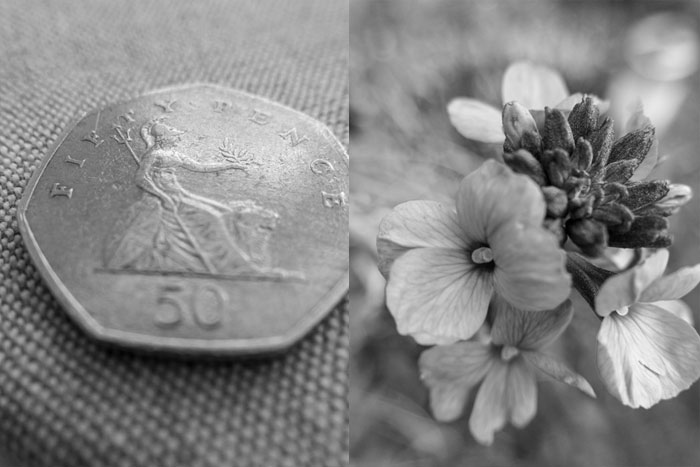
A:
{"x": 177, "y": 303}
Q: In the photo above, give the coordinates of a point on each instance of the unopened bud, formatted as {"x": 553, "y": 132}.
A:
{"x": 601, "y": 141}
{"x": 583, "y": 118}
{"x": 597, "y": 193}
{"x": 634, "y": 145}
{"x": 582, "y": 156}
{"x": 589, "y": 235}
{"x": 677, "y": 196}
{"x": 521, "y": 161}
{"x": 582, "y": 207}
{"x": 620, "y": 171}
{"x": 577, "y": 186}
{"x": 556, "y": 201}
{"x": 557, "y": 166}
{"x": 646, "y": 193}
{"x": 557, "y": 132}
{"x": 645, "y": 232}
{"x": 614, "y": 215}
{"x": 516, "y": 121}
{"x": 532, "y": 142}
{"x": 614, "y": 191}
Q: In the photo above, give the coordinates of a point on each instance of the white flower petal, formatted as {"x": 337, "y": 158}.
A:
{"x": 677, "y": 308}
{"x": 530, "y": 268}
{"x": 437, "y": 295}
{"x": 490, "y": 410}
{"x": 678, "y": 195}
{"x": 661, "y": 100}
{"x": 559, "y": 371}
{"x": 528, "y": 329}
{"x": 521, "y": 393}
{"x": 534, "y": 86}
{"x": 494, "y": 195}
{"x": 625, "y": 288}
{"x": 673, "y": 286}
{"x": 450, "y": 372}
{"x": 647, "y": 355}
{"x": 417, "y": 224}
{"x": 570, "y": 102}
{"x": 620, "y": 258}
{"x": 476, "y": 120}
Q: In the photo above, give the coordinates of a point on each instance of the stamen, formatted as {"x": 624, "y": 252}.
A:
{"x": 508, "y": 353}
{"x": 482, "y": 255}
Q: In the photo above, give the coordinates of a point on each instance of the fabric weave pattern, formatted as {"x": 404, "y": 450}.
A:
{"x": 66, "y": 400}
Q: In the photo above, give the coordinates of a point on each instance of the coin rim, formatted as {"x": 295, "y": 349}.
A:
{"x": 228, "y": 346}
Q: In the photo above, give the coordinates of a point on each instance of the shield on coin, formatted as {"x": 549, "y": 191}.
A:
{"x": 196, "y": 219}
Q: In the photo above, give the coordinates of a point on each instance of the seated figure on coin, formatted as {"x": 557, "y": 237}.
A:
{"x": 172, "y": 229}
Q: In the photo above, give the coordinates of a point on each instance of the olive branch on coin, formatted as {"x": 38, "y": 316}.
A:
{"x": 233, "y": 153}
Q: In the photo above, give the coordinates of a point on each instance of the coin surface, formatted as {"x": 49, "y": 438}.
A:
{"x": 197, "y": 219}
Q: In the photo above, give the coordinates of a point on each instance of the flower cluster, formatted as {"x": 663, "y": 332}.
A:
{"x": 487, "y": 281}
{"x": 588, "y": 178}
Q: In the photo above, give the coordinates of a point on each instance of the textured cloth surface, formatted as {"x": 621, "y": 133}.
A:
{"x": 68, "y": 401}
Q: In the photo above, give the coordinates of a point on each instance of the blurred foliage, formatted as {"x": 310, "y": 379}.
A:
{"x": 408, "y": 59}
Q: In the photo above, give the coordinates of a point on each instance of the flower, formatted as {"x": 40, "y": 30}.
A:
{"x": 443, "y": 266}
{"x": 592, "y": 184}
{"x": 648, "y": 350}
{"x": 533, "y": 86}
{"x": 504, "y": 363}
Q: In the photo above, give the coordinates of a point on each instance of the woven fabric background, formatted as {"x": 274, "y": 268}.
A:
{"x": 68, "y": 401}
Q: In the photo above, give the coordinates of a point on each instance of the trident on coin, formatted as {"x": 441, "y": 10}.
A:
{"x": 122, "y": 138}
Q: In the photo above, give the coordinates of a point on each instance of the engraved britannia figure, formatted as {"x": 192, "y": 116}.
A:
{"x": 172, "y": 229}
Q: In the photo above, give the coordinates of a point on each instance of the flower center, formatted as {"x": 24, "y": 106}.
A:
{"x": 508, "y": 353}
{"x": 482, "y": 255}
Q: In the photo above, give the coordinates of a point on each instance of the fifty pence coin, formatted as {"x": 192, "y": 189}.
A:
{"x": 196, "y": 219}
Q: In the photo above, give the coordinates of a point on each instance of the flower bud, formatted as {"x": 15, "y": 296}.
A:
{"x": 521, "y": 161}
{"x": 557, "y": 166}
{"x": 516, "y": 121}
{"x": 614, "y": 191}
{"x": 577, "y": 186}
{"x": 583, "y": 118}
{"x": 597, "y": 193}
{"x": 634, "y": 145}
{"x": 620, "y": 171}
{"x": 556, "y": 201}
{"x": 582, "y": 156}
{"x": 645, "y": 232}
{"x": 589, "y": 235}
{"x": 669, "y": 204}
{"x": 601, "y": 141}
{"x": 677, "y": 196}
{"x": 532, "y": 141}
{"x": 646, "y": 193}
{"x": 557, "y": 132}
{"x": 582, "y": 207}
{"x": 615, "y": 216}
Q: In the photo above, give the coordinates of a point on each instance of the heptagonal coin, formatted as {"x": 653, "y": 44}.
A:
{"x": 196, "y": 219}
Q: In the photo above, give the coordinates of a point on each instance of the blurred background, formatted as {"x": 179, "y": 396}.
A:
{"x": 408, "y": 59}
